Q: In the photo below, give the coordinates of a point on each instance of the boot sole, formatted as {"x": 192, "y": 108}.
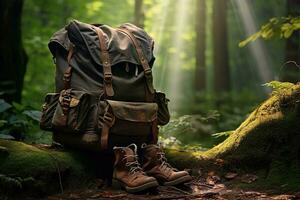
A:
{"x": 140, "y": 188}
{"x": 178, "y": 181}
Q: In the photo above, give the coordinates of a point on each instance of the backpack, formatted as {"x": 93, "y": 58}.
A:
{"x": 104, "y": 88}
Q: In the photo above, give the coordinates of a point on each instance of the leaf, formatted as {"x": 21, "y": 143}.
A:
{"x": 288, "y": 33}
{"x": 221, "y": 134}
{"x": 4, "y": 106}
{"x": 2, "y": 123}
{"x": 6, "y": 137}
{"x": 18, "y": 106}
{"x": 33, "y": 114}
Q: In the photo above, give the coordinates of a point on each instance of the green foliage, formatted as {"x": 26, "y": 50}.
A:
{"x": 278, "y": 86}
{"x": 222, "y": 134}
{"x": 282, "y": 27}
{"x": 19, "y": 122}
{"x": 190, "y": 130}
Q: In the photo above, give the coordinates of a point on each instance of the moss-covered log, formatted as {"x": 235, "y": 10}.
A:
{"x": 38, "y": 170}
{"x": 268, "y": 139}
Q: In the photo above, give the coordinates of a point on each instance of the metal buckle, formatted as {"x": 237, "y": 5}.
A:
{"x": 107, "y": 78}
{"x": 148, "y": 72}
{"x": 66, "y": 98}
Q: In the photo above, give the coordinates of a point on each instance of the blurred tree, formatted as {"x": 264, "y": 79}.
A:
{"x": 139, "y": 13}
{"x": 220, "y": 46}
{"x": 291, "y": 71}
{"x": 200, "y": 77}
{"x": 13, "y": 58}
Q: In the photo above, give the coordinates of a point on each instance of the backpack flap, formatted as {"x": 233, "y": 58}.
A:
{"x": 133, "y": 111}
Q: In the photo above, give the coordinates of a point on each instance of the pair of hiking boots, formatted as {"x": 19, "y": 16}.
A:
{"x": 154, "y": 170}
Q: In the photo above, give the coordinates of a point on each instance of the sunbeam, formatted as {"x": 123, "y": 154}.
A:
{"x": 257, "y": 48}
{"x": 175, "y": 81}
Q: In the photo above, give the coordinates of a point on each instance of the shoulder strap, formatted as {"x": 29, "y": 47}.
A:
{"x": 142, "y": 58}
{"x": 68, "y": 72}
{"x": 107, "y": 75}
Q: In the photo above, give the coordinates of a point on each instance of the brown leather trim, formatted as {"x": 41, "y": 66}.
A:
{"x": 154, "y": 132}
{"x": 142, "y": 58}
{"x": 68, "y": 72}
{"x": 107, "y": 75}
{"x": 108, "y": 122}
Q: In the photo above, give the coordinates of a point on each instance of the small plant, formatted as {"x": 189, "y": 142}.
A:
{"x": 17, "y": 120}
{"x": 278, "y": 86}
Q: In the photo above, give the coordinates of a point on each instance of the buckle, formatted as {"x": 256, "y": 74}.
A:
{"x": 148, "y": 72}
{"x": 108, "y": 78}
{"x": 66, "y": 98}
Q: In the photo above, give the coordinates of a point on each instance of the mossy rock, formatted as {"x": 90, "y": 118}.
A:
{"x": 31, "y": 169}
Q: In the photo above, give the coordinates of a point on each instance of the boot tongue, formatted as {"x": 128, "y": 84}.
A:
{"x": 130, "y": 152}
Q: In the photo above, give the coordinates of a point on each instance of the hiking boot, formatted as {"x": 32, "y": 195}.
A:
{"x": 127, "y": 170}
{"x": 155, "y": 164}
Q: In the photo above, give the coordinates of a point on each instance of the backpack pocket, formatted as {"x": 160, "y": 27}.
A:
{"x": 163, "y": 114}
{"x": 48, "y": 110}
{"x": 68, "y": 111}
{"x": 72, "y": 111}
{"x": 132, "y": 120}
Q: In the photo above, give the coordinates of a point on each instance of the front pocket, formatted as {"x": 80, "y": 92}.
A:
{"x": 72, "y": 111}
{"x": 126, "y": 118}
{"x": 48, "y": 110}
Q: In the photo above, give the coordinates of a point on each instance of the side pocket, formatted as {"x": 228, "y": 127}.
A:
{"x": 163, "y": 114}
{"x": 48, "y": 110}
{"x": 72, "y": 111}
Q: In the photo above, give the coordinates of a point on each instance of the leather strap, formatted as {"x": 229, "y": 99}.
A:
{"x": 65, "y": 106}
{"x": 154, "y": 132}
{"x": 68, "y": 72}
{"x": 142, "y": 58}
{"x": 107, "y": 75}
{"x": 108, "y": 122}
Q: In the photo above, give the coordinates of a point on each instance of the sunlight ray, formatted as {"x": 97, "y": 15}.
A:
{"x": 175, "y": 76}
{"x": 258, "y": 50}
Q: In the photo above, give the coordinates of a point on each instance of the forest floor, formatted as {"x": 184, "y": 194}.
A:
{"x": 199, "y": 188}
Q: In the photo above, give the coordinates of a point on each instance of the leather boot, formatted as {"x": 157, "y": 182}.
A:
{"x": 128, "y": 172}
{"x": 155, "y": 164}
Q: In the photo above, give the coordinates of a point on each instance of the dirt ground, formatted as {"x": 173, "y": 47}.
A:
{"x": 209, "y": 188}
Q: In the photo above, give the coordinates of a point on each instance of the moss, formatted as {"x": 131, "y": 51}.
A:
{"x": 51, "y": 170}
{"x": 268, "y": 139}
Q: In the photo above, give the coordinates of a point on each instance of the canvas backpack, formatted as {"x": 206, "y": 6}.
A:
{"x": 104, "y": 87}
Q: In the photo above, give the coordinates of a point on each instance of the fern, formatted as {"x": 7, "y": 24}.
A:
{"x": 278, "y": 86}
{"x": 222, "y": 134}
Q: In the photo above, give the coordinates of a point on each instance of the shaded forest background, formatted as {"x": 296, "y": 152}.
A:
{"x": 212, "y": 82}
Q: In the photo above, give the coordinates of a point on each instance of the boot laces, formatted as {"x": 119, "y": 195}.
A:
{"x": 133, "y": 166}
{"x": 164, "y": 163}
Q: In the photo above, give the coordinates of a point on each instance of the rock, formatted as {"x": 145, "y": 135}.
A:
{"x": 249, "y": 178}
{"x": 230, "y": 175}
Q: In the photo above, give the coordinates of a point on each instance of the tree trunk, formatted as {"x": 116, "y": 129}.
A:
{"x": 13, "y": 58}
{"x": 220, "y": 47}
{"x": 291, "y": 72}
{"x": 139, "y": 13}
{"x": 200, "y": 78}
